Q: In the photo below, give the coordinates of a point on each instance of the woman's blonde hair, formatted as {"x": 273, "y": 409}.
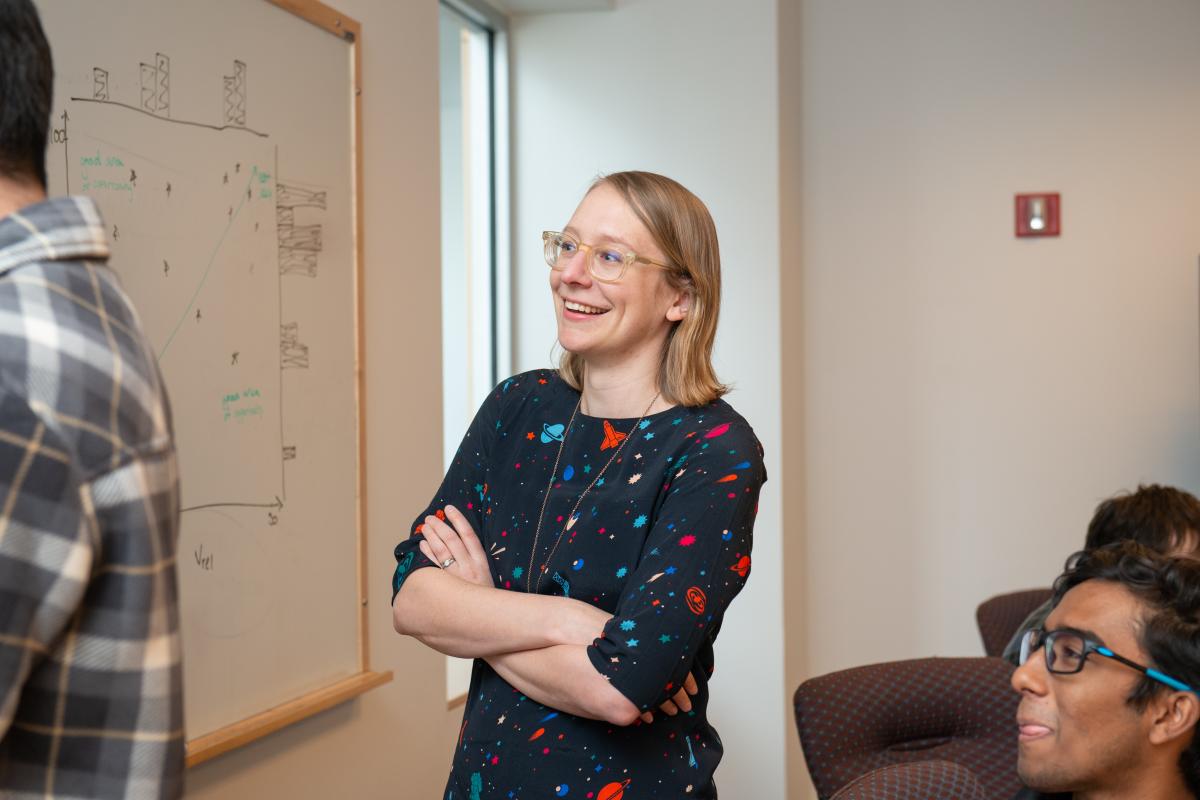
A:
{"x": 684, "y": 231}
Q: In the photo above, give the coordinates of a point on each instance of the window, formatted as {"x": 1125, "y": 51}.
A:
{"x": 476, "y": 342}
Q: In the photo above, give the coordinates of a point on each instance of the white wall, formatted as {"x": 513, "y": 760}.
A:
{"x": 685, "y": 88}
{"x": 970, "y": 396}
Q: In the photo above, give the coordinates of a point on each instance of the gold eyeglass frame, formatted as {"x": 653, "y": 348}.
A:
{"x": 627, "y": 257}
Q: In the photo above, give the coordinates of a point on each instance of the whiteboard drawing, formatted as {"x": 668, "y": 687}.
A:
{"x": 156, "y": 85}
{"x": 298, "y": 244}
{"x": 245, "y": 283}
{"x": 154, "y": 93}
{"x": 99, "y": 84}
{"x": 235, "y": 95}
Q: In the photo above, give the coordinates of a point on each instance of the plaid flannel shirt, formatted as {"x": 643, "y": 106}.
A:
{"x": 91, "y": 702}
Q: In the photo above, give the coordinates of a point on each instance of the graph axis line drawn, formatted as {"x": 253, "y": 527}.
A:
{"x": 66, "y": 150}
{"x": 278, "y": 505}
{"x": 210, "y": 126}
{"x": 278, "y": 326}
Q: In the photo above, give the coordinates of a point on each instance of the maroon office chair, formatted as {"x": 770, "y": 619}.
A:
{"x": 999, "y": 617}
{"x": 916, "y": 780}
{"x": 961, "y": 710}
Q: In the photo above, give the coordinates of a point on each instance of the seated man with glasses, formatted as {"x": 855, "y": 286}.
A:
{"x": 1109, "y": 705}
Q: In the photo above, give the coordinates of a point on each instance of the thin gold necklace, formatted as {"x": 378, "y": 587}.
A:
{"x": 529, "y": 587}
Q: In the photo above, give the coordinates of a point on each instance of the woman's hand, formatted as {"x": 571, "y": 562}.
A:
{"x": 580, "y": 623}
{"x": 680, "y": 701}
{"x": 453, "y": 546}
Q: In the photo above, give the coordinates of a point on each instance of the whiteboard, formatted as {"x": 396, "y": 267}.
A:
{"x": 219, "y": 139}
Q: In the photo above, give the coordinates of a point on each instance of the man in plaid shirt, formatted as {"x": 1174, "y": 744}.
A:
{"x": 91, "y": 703}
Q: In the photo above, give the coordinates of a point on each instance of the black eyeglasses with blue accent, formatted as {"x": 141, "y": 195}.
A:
{"x": 1067, "y": 650}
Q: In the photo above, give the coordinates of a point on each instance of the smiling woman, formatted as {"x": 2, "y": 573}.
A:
{"x": 596, "y": 522}
{"x": 682, "y": 242}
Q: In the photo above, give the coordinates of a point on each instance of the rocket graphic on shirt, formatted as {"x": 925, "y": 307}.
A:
{"x": 612, "y": 437}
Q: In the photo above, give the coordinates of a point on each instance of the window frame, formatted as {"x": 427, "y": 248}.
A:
{"x": 494, "y": 26}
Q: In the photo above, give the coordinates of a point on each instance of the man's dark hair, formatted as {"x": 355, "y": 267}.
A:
{"x": 1169, "y": 631}
{"x": 1161, "y": 517}
{"x": 26, "y": 89}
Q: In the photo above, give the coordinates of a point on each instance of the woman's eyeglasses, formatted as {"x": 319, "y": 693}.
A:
{"x": 607, "y": 263}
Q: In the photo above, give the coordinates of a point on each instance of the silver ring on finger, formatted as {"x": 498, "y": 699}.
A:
{"x": 446, "y": 564}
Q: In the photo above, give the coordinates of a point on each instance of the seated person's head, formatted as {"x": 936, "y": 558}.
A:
{"x": 1106, "y": 706}
{"x": 1161, "y": 517}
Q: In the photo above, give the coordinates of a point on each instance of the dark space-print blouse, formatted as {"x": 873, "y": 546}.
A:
{"x": 662, "y": 542}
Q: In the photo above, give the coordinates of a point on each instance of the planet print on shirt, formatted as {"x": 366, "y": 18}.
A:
{"x": 552, "y": 433}
{"x": 614, "y": 790}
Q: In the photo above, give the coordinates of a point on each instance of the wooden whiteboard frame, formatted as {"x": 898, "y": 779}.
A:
{"x": 258, "y": 725}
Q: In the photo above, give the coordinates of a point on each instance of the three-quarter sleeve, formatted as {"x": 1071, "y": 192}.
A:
{"x": 464, "y": 487}
{"x": 695, "y": 560}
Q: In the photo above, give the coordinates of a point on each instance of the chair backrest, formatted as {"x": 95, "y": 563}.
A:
{"x": 916, "y": 780}
{"x": 999, "y": 617}
{"x": 859, "y": 720}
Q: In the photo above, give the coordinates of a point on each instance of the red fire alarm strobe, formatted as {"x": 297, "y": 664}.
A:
{"x": 1037, "y": 214}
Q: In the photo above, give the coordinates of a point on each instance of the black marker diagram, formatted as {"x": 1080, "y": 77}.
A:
{"x": 292, "y": 354}
{"x": 299, "y": 245}
{"x": 235, "y": 96}
{"x": 154, "y": 97}
{"x": 99, "y": 84}
{"x": 218, "y": 324}
{"x": 156, "y": 85}
{"x": 218, "y": 143}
